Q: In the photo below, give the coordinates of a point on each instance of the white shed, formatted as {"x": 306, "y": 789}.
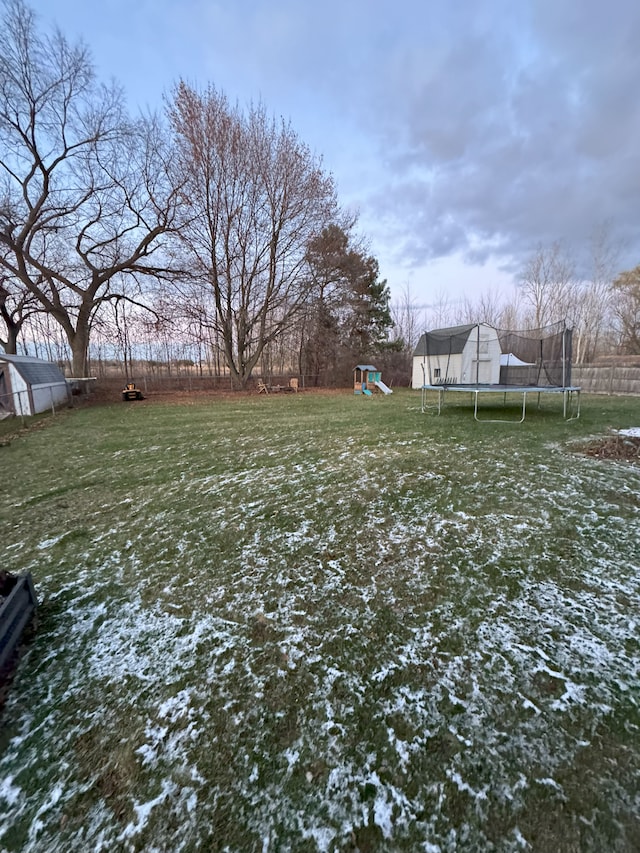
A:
{"x": 460, "y": 355}
{"x": 30, "y": 385}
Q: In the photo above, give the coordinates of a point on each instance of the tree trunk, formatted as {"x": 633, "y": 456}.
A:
{"x": 13, "y": 330}
{"x": 79, "y": 344}
{"x": 11, "y": 344}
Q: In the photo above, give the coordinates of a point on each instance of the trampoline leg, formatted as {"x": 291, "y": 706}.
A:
{"x": 500, "y": 420}
{"x": 568, "y": 405}
{"x": 425, "y": 404}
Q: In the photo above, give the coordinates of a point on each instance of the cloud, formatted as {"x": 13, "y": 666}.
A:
{"x": 516, "y": 135}
{"x": 477, "y": 130}
{"x": 488, "y": 130}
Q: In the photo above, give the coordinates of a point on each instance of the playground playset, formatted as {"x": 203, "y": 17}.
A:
{"x": 367, "y": 380}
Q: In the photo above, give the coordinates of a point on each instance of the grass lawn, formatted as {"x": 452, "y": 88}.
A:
{"x": 323, "y": 623}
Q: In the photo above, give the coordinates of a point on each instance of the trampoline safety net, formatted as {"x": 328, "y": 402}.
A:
{"x": 534, "y": 357}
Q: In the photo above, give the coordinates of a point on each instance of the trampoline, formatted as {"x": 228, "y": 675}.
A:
{"x": 570, "y": 398}
{"x": 479, "y": 360}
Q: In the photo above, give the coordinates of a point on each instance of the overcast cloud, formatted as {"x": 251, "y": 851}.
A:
{"x": 475, "y": 130}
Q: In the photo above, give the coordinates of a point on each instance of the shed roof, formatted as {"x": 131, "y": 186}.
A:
{"x": 445, "y": 341}
{"x": 35, "y": 371}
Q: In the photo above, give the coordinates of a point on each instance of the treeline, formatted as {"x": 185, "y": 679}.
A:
{"x": 211, "y": 235}
{"x": 211, "y": 227}
{"x": 601, "y": 305}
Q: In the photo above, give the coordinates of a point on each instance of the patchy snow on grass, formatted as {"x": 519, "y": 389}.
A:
{"x": 49, "y": 543}
{"x": 423, "y": 651}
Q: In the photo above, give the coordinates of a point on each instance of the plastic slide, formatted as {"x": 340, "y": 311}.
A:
{"x": 384, "y": 388}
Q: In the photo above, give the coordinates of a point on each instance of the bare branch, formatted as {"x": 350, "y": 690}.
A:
{"x": 86, "y": 194}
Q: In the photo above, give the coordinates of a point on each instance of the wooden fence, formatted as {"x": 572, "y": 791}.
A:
{"x": 607, "y": 379}
{"x": 599, "y": 379}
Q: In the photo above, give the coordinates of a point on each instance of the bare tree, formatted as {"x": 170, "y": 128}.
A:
{"x": 495, "y": 309}
{"x": 627, "y": 310}
{"x": 490, "y": 307}
{"x": 405, "y": 313}
{"x": 16, "y": 306}
{"x": 442, "y": 312}
{"x": 511, "y": 315}
{"x": 84, "y": 191}
{"x": 253, "y": 198}
{"x": 593, "y": 310}
{"x": 547, "y": 285}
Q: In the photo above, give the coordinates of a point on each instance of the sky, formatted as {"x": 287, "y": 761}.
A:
{"x": 466, "y": 134}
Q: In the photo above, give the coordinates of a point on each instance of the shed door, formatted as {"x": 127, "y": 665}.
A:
{"x": 482, "y": 370}
{"x": 5, "y": 400}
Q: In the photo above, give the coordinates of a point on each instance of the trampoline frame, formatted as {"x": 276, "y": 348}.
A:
{"x": 570, "y": 398}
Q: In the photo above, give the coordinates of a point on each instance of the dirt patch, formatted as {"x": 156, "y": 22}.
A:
{"x": 107, "y": 392}
{"x": 616, "y": 446}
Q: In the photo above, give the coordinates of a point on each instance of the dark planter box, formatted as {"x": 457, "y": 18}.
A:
{"x": 15, "y": 613}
